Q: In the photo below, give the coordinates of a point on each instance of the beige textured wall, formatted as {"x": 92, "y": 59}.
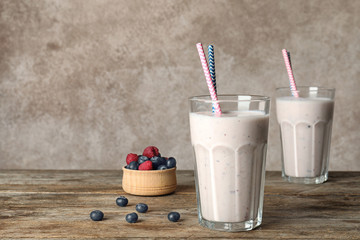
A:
{"x": 84, "y": 82}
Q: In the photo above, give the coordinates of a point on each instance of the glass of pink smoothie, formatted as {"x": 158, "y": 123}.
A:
{"x": 230, "y": 153}
{"x": 305, "y": 130}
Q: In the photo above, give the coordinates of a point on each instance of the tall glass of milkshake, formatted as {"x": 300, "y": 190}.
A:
{"x": 305, "y": 121}
{"x": 230, "y": 152}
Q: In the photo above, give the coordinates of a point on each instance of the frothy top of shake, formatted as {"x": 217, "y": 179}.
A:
{"x": 242, "y": 114}
{"x": 303, "y": 99}
{"x": 310, "y": 110}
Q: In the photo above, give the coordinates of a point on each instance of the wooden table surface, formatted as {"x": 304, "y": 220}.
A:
{"x": 57, "y": 204}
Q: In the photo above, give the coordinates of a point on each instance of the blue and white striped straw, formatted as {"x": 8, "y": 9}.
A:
{"x": 212, "y": 65}
{"x": 288, "y": 53}
{"x": 212, "y": 68}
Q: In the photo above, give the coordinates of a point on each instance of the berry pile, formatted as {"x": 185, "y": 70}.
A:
{"x": 122, "y": 201}
{"x": 151, "y": 159}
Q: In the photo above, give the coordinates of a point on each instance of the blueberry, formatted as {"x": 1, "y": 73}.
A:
{"x": 174, "y": 216}
{"x": 131, "y": 217}
{"x": 141, "y": 207}
{"x": 162, "y": 161}
{"x": 96, "y": 215}
{"x": 142, "y": 159}
{"x": 156, "y": 161}
{"x": 162, "y": 167}
{"x": 133, "y": 165}
{"x": 171, "y": 162}
{"x": 122, "y": 201}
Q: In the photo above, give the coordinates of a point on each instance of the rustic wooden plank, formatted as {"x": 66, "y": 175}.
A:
{"x": 50, "y": 216}
{"x": 56, "y": 204}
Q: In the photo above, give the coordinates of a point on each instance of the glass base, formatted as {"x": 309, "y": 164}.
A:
{"x": 230, "y": 226}
{"x": 306, "y": 180}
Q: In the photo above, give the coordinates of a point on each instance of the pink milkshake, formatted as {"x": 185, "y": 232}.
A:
{"x": 305, "y": 126}
{"x": 230, "y": 165}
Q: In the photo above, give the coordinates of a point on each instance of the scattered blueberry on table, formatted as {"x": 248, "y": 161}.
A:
{"x": 122, "y": 201}
{"x": 96, "y": 215}
{"x": 174, "y": 216}
{"x": 141, "y": 207}
{"x": 131, "y": 217}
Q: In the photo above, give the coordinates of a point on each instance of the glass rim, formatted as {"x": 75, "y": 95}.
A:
{"x": 299, "y": 88}
{"x": 207, "y": 98}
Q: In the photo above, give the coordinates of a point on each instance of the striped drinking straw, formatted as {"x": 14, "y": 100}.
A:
{"x": 208, "y": 78}
{"x": 293, "y": 88}
{"x": 288, "y": 53}
{"x": 212, "y": 65}
{"x": 212, "y": 68}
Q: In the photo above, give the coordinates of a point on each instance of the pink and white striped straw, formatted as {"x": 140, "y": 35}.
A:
{"x": 208, "y": 78}
{"x": 290, "y": 73}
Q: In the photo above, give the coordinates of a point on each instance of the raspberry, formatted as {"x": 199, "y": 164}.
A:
{"x": 151, "y": 151}
{"x": 147, "y": 165}
{"x": 131, "y": 157}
